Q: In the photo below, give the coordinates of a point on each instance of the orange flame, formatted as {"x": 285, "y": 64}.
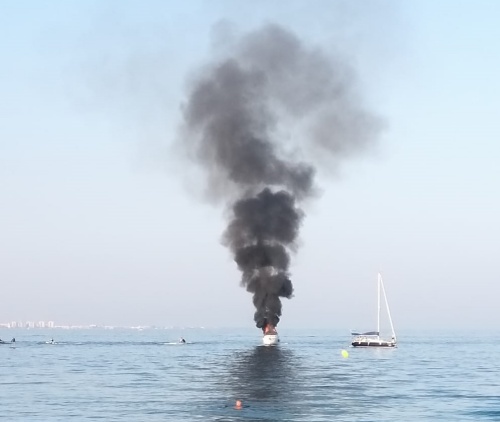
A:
{"x": 269, "y": 329}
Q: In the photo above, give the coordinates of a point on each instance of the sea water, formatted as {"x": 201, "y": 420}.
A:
{"x": 145, "y": 375}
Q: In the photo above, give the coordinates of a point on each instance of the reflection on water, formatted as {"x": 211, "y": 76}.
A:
{"x": 280, "y": 383}
{"x": 263, "y": 374}
{"x": 266, "y": 379}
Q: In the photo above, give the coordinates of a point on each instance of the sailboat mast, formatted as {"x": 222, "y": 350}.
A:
{"x": 387, "y": 307}
{"x": 378, "y": 303}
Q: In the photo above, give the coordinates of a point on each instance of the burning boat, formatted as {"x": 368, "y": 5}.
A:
{"x": 270, "y": 335}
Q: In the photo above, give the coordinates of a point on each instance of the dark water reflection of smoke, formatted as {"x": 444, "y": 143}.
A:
{"x": 264, "y": 374}
{"x": 306, "y": 384}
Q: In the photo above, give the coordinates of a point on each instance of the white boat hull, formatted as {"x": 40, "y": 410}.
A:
{"x": 270, "y": 339}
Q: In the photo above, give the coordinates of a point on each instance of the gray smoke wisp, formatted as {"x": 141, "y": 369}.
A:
{"x": 236, "y": 123}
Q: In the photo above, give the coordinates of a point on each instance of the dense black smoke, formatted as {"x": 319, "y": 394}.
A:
{"x": 255, "y": 119}
{"x": 261, "y": 229}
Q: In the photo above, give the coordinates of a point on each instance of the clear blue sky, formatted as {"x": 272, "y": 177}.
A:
{"x": 97, "y": 224}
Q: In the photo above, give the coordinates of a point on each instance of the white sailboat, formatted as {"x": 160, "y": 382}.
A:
{"x": 372, "y": 338}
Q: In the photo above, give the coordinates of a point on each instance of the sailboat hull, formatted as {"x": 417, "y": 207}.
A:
{"x": 373, "y": 343}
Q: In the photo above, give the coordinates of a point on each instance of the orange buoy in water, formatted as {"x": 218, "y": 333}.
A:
{"x": 238, "y": 405}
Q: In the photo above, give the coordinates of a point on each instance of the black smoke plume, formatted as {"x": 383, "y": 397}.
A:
{"x": 256, "y": 118}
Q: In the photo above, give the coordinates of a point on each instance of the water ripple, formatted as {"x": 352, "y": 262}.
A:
{"x": 139, "y": 376}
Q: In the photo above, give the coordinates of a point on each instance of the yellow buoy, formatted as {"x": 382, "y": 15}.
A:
{"x": 345, "y": 354}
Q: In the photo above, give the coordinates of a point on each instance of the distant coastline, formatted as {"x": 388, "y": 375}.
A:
{"x": 51, "y": 325}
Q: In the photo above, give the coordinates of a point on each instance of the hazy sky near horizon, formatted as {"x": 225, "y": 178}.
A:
{"x": 99, "y": 225}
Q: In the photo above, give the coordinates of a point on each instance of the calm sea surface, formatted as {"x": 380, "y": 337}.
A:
{"x": 132, "y": 375}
